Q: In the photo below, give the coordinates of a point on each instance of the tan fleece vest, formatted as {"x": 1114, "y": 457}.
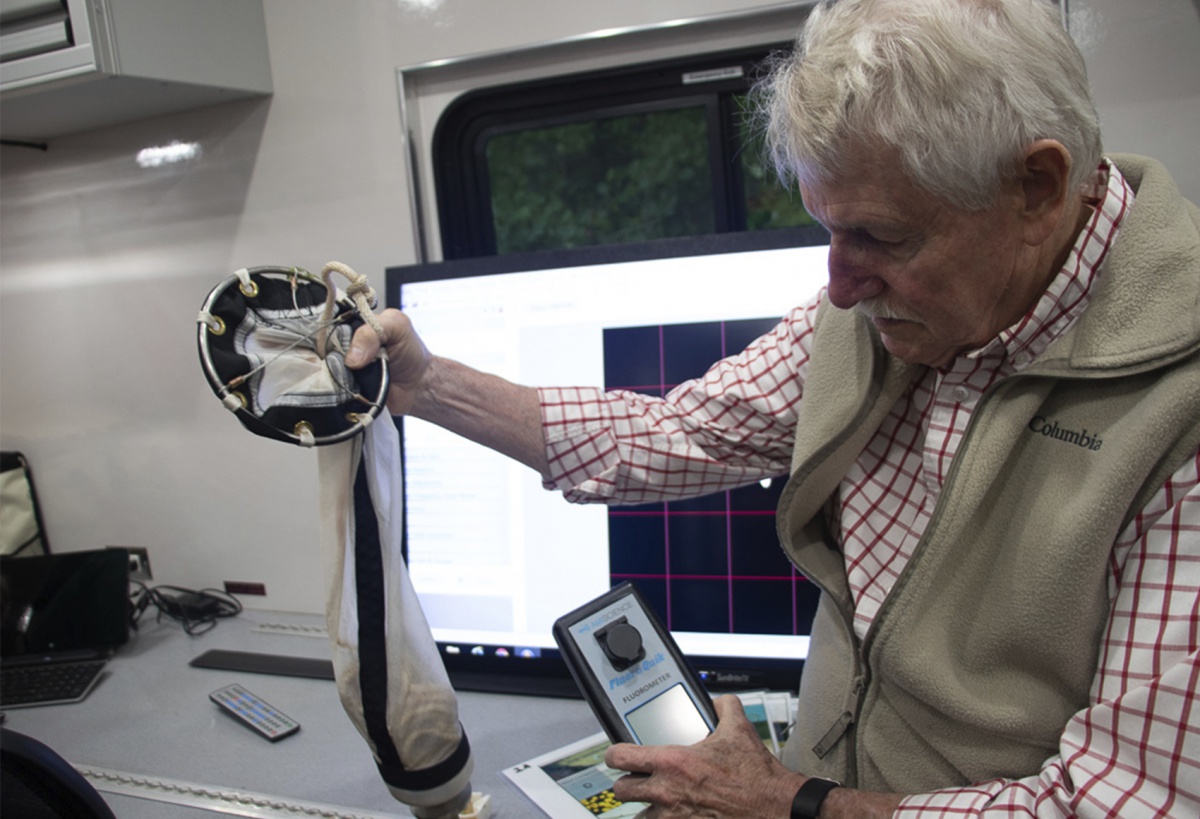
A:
{"x": 987, "y": 643}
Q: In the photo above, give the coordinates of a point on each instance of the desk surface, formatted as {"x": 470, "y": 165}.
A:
{"x": 150, "y": 716}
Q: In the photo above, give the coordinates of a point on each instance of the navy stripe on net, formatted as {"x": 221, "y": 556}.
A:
{"x": 372, "y": 659}
{"x": 372, "y": 622}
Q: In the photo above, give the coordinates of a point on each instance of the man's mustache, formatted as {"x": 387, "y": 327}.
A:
{"x": 877, "y": 308}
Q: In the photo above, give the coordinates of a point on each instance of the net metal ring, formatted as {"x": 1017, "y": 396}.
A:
{"x": 232, "y": 372}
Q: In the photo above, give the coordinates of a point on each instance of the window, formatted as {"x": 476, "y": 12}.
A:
{"x": 645, "y": 152}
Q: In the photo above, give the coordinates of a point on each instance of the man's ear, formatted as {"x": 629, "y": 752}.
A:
{"x": 1044, "y": 175}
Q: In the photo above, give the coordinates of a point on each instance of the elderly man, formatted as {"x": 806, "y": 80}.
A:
{"x": 990, "y": 417}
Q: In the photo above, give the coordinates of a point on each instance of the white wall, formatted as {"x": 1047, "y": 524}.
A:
{"x": 1144, "y": 65}
{"x": 103, "y": 265}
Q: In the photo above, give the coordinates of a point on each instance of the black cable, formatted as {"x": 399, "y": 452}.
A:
{"x": 197, "y": 611}
{"x": 25, "y": 143}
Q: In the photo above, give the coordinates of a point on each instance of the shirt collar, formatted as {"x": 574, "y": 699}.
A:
{"x": 1065, "y": 299}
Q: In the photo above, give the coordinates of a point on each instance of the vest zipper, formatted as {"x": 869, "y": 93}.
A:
{"x": 843, "y": 723}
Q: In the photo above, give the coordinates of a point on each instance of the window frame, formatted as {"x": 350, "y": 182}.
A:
{"x": 459, "y": 140}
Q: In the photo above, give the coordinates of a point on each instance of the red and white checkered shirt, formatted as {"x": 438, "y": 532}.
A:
{"x": 1136, "y": 750}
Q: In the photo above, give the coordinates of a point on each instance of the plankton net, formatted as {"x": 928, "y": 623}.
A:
{"x": 272, "y": 343}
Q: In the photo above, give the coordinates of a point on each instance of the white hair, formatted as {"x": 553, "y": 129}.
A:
{"x": 959, "y": 88}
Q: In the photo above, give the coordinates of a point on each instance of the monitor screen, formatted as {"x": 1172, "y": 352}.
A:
{"x": 64, "y": 602}
{"x": 496, "y": 558}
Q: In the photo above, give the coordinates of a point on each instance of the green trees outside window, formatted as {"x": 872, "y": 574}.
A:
{"x": 607, "y": 158}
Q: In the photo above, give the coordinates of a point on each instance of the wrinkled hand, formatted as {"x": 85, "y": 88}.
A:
{"x": 407, "y": 358}
{"x": 729, "y": 774}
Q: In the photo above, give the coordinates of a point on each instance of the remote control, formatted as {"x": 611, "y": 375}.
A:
{"x": 254, "y": 712}
{"x": 632, "y": 673}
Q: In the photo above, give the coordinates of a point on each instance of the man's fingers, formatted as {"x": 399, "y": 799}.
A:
{"x": 632, "y": 788}
{"x": 625, "y": 756}
{"x": 728, "y": 705}
{"x": 364, "y": 347}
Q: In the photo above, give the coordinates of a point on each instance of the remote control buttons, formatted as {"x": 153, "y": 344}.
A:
{"x": 621, "y": 643}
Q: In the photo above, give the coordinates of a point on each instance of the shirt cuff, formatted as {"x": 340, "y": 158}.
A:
{"x": 951, "y": 802}
{"x": 581, "y": 448}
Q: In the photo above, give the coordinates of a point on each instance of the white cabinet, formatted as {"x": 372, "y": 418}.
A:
{"x": 111, "y": 61}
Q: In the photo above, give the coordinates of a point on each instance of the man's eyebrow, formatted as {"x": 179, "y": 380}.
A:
{"x": 860, "y": 219}
{"x": 868, "y": 226}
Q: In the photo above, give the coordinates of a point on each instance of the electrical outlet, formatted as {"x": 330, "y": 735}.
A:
{"x": 243, "y": 587}
{"x": 139, "y": 562}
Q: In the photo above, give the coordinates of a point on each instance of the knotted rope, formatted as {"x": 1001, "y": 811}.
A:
{"x": 359, "y": 291}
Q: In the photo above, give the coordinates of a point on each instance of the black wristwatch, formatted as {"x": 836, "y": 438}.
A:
{"x": 807, "y": 802}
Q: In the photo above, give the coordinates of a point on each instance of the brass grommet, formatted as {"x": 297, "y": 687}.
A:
{"x": 215, "y": 325}
{"x": 304, "y": 429}
{"x": 240, "y": 397}
{"x": 249, "y": 288}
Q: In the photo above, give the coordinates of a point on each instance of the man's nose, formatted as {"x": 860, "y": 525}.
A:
{"x": 850, "y": 280}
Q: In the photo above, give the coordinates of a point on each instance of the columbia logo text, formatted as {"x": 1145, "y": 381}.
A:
{"x": 1048, "y": 428}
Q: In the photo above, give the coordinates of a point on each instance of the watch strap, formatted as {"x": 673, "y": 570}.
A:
{"x": 807, "y": 802}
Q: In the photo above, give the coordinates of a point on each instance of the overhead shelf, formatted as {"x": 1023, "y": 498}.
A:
{"x": 73, "y": 65}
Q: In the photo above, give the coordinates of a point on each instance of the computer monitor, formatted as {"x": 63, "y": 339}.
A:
{"x": 496, "y": 558}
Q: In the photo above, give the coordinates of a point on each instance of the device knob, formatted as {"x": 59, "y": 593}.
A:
{"x": 621, "y": 643}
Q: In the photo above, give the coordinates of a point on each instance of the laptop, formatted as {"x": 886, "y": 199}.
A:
{"x": 62, "y": 616}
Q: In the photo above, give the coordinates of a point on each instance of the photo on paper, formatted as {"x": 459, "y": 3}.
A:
{"x": 781, "y": 711}
{"x": 573, "y": 781}
{"x": 754, "y": 703}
